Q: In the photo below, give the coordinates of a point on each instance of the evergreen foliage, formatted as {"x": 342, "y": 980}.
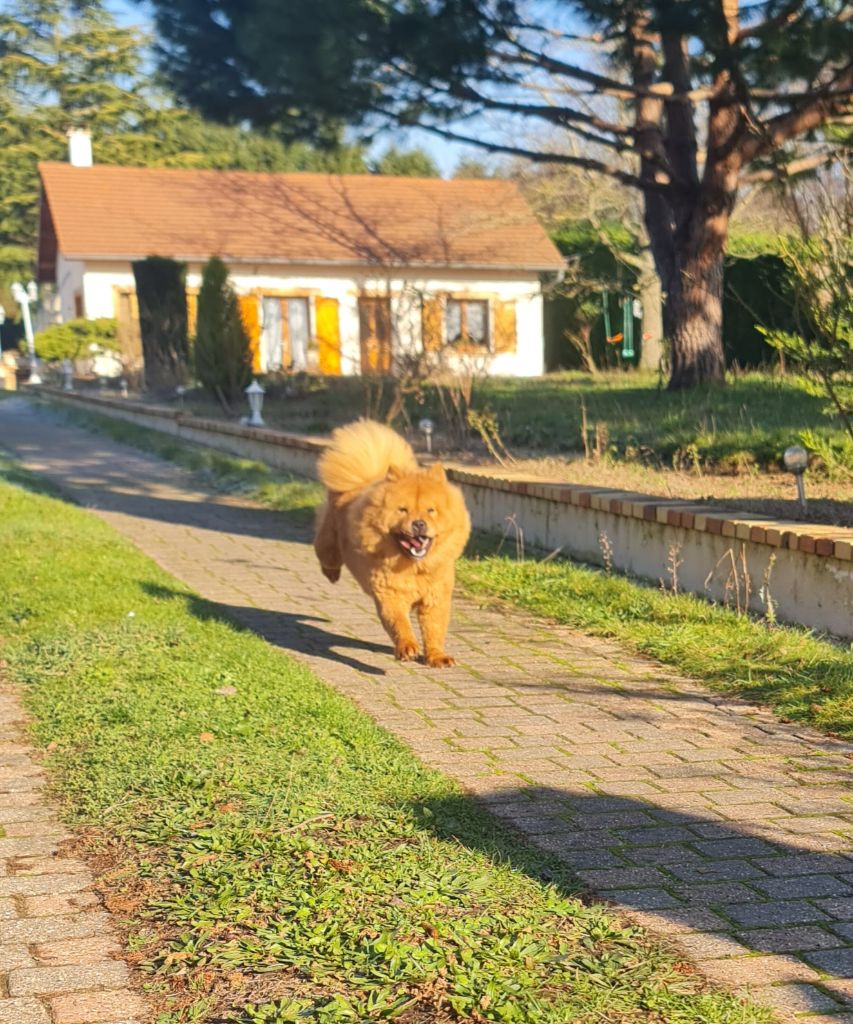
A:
{"x": 223, "y": 357}
{"x": 162, "y": 298}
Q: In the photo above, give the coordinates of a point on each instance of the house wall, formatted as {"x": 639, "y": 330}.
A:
{"x": 69, "y": 283}
{"x": 406, "y": 291}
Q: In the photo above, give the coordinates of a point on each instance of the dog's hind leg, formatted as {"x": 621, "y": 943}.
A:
{"x": 327, "y": 544}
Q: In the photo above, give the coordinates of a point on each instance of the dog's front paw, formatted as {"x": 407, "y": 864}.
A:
{"x": 440, "y": 660}
{"x": 405, "y": 651}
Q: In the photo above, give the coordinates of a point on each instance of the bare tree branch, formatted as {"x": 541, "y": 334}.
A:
{"x": 788, "y": 14}
{"x": 537, "y": 156}
{"x": 830, "y": 101}
{"x": 789, "y": 170}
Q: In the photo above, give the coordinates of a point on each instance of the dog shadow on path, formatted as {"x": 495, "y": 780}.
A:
{"x": 300, "y": 633}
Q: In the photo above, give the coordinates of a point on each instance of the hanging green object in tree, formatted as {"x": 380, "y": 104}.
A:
{"x": 611, "y": 339}
{"x": 627, "y": 327}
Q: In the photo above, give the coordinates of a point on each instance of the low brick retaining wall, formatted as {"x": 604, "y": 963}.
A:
{"x": 803, "y": 571}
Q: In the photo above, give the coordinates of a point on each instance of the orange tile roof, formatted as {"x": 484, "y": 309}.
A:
{"x": 132, "y": 212}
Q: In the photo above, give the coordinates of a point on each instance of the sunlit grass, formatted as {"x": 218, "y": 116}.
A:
{"x": 279, "y": 856}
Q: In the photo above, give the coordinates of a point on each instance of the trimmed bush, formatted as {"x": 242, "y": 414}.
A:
{"x": 73, "y": 340}
{"x": 757, "y": 294}
{"x": 223, "y": 355}
{"x": 162, "y": 296}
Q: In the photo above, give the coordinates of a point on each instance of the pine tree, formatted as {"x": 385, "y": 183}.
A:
{"x": 718, "y": 91}
{"x": 223, "y": 357}
{"x": 68, "y": 65}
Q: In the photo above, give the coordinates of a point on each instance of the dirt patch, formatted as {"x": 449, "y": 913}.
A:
{"x": 765, "y": 493}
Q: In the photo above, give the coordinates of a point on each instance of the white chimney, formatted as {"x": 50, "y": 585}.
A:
{"x": 80, "y": 147}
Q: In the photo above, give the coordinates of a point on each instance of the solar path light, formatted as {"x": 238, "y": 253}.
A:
{"x": 255, "y": 393}
{"x": 796, "y": 460}
{"x": 427, "y": 426}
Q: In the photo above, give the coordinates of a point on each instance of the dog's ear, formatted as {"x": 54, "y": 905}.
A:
{"x": 436, "y": 472}
{"x": 393, "y": 474}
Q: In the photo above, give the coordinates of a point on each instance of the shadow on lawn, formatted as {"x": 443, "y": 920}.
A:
{"x": 682, "y": 875}
{"x": 303, "y": 633}
{"x": 714, "y": 879}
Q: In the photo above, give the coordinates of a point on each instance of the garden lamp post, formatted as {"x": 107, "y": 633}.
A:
{"x": 255, "y": 394}
{"x": 796, "y": 460}
{"x": 427, "y": 426}
{"x": 67, "y": 375}
{"x": 24, "y": 296}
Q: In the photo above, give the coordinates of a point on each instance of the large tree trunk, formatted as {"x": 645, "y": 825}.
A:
{"x": 693, "y": 317}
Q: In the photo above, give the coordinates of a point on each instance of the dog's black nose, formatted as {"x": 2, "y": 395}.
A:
{"x": 418, "y": 526}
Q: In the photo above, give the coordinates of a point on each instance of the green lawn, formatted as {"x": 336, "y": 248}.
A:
{"x": 801, "y": 676}
{"x": 282, "y": 858}
{"x": 748, "y": 422}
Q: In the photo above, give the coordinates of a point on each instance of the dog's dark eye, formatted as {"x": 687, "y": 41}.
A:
{"x": 430, "y": 511}
{"x": 402, "y": 509}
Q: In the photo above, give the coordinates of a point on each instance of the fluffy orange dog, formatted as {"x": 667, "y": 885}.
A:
{"x": 398, "y": 529}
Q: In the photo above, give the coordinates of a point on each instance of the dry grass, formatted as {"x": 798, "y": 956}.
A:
{"x": 766, "y": 492}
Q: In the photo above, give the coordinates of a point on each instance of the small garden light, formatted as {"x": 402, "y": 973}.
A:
{"x": 180, "y": 391}
{"x": 67, "y": 375}
{"x": 427, "y": 427}
{"x": 255, "y": 394}
{"x": 123, "y": 387}
{"x": 796, "y": 460}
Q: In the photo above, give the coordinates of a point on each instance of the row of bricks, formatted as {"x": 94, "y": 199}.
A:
{"x": 828, "y": 541}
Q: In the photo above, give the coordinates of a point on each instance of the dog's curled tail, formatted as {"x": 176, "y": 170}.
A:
{"x": 361, "y": 454}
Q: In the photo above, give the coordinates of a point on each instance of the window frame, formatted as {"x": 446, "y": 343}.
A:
{"x": 463, "y": 343}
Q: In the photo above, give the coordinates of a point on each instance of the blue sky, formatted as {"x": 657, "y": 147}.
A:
{"x": 446, "y": 154}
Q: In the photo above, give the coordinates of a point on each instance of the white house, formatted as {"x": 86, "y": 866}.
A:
{"x": 337, "y": 274}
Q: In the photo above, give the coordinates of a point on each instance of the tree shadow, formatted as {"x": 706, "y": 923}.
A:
{"x": 204, "y": 514}
{"x": 715, "y": 886}
{"x": 714, "y": 889}
{"x": 14, "y": 474}
{"x": 302, "y": 633}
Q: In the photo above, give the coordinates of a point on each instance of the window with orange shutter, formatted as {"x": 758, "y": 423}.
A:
{"x": 466, "y": 322}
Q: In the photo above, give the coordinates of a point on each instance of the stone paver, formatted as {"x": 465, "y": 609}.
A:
{"x": 54, "y": 941}
{"x": 703, "y": 817}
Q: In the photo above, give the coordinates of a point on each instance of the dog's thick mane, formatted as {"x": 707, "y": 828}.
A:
{"x": 362, "y": 454}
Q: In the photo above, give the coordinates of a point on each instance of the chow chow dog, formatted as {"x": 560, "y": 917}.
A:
{"x": 398, "y": 529}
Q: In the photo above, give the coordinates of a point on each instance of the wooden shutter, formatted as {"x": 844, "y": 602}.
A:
{"x": 127, "y": 325}
{"x": 328, "y": 335}
{"x": 248, "y": 306}
{"x": 432, "y": 324}
{"x": 505, "y": 329}
{"x": 192, "y": 312}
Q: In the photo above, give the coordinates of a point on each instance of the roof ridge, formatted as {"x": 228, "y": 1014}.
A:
{"x": 361, "y": 176}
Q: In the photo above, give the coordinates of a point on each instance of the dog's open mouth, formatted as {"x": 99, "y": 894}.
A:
{"x": 414, "y": 546}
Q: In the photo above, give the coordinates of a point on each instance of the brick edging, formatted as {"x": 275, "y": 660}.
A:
{"x": 817, "y": 539}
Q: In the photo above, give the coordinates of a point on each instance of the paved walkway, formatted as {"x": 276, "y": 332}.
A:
{"x": 704, "y": 818}
{"x": 56, "y": 944}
